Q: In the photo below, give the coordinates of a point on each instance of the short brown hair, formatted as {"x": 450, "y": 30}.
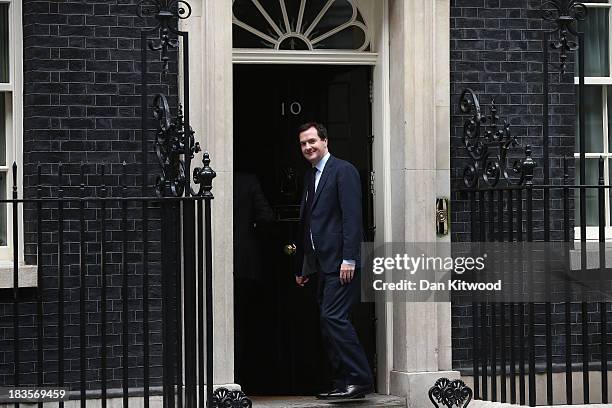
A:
{"x": 321, "y": 130}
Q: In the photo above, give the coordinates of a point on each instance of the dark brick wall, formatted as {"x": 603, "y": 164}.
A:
{"x": 82, "y": 105}
{"x": 82, "y": 86}
{"x": 496, "y": 50}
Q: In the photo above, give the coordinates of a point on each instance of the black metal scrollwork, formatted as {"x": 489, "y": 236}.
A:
{"x": 564, "y": 13}
{"x": 488, "y": 143}
{"x": 170, "y": 142}
{"x": 165, "y": 11}
{"x": 450, "y": 393}
{"x": 224, "y": 398}
{"x": 163, "y": 44}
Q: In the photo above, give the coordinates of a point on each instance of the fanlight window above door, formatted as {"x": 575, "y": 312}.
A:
{"x": 299, "y": 25}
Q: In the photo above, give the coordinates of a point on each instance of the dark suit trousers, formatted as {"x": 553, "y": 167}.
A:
{"x": 348, "y": 360}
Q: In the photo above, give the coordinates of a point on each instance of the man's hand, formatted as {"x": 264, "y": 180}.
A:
{"x": 301, "y": 280}
{"x": 346, "y": 273}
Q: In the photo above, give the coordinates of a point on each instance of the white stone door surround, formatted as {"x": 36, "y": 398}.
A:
{"x": 411, "y": 124}
{"x": 419, "y": 136}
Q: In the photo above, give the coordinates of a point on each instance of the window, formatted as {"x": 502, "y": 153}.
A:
{"x": 11, "y": 130}
{"x": 598, "y": 114}
{"x": 299, "y": 25}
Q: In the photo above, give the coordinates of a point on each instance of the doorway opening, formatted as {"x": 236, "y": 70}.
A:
{"x": 278, "y": 350}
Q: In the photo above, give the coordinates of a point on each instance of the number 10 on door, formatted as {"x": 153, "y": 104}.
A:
{"x": 294, "y": 108}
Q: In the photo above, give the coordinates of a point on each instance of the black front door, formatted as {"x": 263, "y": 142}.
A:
{"x": 276, "y": 322}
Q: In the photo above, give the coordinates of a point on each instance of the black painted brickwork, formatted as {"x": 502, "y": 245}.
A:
{"x": 496, "y": 50}
{"x": 82, "y": 104}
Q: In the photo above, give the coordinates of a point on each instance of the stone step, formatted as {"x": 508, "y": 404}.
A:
{"x": 372, "y": 401}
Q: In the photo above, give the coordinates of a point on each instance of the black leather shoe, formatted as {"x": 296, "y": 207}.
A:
{"x": 325, "y": 395}
{"x": 351, "y": 392}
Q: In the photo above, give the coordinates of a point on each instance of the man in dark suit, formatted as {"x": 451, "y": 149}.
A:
{"x": 331, "y": 234}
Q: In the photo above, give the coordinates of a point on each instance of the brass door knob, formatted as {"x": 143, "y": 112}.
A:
{"x": 289, "y": 249}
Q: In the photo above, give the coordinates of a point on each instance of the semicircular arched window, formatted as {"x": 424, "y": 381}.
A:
{"x": 299, "y": 25}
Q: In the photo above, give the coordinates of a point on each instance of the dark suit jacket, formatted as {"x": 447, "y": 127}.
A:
{"x": 336, "y": 222}
{"x": 250, "y": 207}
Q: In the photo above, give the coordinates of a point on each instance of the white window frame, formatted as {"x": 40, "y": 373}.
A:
{"x": 13, "y": 93}
{"x": 592, "y": 232}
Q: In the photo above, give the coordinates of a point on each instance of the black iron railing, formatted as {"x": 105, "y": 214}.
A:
{"x": 504, "y": 334}
{"x": 186, "y": 240}
{"x": 507, "y": 205}
{"x": 108, "y": 317}
{"x": 506, "y": 353}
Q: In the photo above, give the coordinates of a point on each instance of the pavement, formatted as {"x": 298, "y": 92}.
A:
{"x": 371, "y": 401}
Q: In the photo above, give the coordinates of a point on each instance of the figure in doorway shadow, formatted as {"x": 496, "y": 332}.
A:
{"x": 251, "y": 208}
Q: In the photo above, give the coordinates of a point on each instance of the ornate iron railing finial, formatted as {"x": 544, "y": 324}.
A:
{"x": 203, "y": 176}
{"x": 564, "y": 13}
{"x": 526, "y": 167}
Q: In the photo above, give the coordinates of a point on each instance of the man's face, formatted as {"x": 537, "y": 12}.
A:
{"x": 313, "y": 148}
